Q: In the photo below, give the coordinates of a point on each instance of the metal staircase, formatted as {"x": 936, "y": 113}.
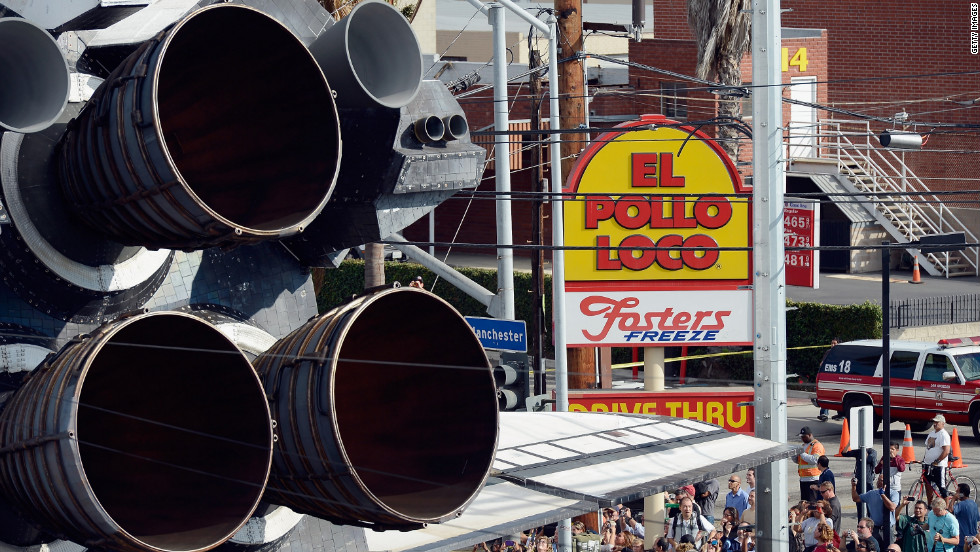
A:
{"x": 896, "y": 197}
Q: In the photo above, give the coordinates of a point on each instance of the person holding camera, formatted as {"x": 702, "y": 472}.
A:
{"x": 877, "y": 504}
{"x": 714, "y": 545}
{"x": 746, "y": 534}
{"x": 863, "y": 539}
{"x": 796, "y": 513}
{"x": 910, "y": 531}
{"x": 944, "y": 530}
{"x": 629, "y": 523}
{"x": 610, "y": 525}
{"x": 808, "y": 526}
{"x": 728, "y": 530}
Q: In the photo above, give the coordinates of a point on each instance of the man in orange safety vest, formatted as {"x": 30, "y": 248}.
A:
{"x": 807, "y": 465}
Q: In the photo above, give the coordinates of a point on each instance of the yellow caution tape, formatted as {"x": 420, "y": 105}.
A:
{"x": 728, "y": 353}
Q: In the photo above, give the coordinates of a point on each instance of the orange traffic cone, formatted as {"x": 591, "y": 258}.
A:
{"x": 916, "y": 278}
{"x": 958, "y": 463}
{"x": 908, "y": 449}
{"x": 845, "y": 440}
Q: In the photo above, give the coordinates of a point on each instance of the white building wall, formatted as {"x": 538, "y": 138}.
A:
{"x": 424, "y": 26}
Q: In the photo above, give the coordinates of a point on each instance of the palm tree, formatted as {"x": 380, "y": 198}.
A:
{"x": 722, "y": 31}
{"x": 340, "y": 8}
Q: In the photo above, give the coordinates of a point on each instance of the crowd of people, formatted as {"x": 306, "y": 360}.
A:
{"x": 943, "y": 521}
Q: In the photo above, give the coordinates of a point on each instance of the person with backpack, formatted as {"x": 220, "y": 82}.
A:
{"x": 687, "y": 523}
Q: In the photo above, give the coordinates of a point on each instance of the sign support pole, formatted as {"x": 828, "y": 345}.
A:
{"x": 654, "y": 507}
{"x": 886, "y": 384}
{"x": 501, "y": 149}
{"x": 770, "y": 278}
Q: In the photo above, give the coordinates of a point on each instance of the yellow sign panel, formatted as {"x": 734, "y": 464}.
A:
{"x": 657, "y": 205}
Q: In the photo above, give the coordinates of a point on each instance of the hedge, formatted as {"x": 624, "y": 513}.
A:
{"x": 341, "y": 283}
{"x": 809, "y": 326}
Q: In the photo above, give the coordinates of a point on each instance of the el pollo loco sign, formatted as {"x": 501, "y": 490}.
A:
{"x": 656, "y": 209}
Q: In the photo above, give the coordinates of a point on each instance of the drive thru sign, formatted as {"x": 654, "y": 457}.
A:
{"x": 659, "y": 232}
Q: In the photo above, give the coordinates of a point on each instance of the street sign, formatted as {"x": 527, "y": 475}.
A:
{"x": 499, "y": 334}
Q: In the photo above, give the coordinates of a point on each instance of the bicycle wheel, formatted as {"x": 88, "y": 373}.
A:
{"x": 918, "y": 492}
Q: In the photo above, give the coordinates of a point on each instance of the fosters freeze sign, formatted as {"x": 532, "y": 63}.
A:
{"x": 659, "y": 241}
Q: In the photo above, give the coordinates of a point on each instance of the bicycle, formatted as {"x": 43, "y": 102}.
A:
{"x": 918, "y": 489}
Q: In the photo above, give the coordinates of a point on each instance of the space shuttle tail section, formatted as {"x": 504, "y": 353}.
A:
{"x": 386, "y": 411}
{"x": 205, "y": 138}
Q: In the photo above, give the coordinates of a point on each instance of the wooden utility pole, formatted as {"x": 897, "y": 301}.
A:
{"x": 571, "y": 104}
{"x": 537, "y": 223}
{"x": 374, "y": 265}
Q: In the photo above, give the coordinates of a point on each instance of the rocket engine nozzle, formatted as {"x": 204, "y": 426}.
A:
{"x": 387, "y": 412}
{"x": 371, "y": 57}
{"x": 34, "y": 74}
{"x": 151, "y": 434}
{"x": 220, "y": 131}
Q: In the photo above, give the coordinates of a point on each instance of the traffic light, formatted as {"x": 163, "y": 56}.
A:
{"x": 513, "y": 384}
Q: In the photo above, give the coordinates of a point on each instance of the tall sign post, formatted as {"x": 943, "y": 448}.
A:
{"x": 770, "y": 278}
{"x": 658, "y": 247}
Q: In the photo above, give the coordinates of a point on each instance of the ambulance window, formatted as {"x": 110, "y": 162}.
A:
{"x": 934, "y": 367}
{"x": 858, "y": 360}
{"x": 903, "y": 364}
{"x": 969, "y": 365}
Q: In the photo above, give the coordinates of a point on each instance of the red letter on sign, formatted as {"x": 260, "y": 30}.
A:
{"x": 667, "y": 178}
{"x": 598, "y": 208}
{"x": 603, "y": 255}
{"x": 644, "y": 170}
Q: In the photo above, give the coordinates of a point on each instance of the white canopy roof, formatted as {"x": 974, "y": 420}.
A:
{"x": 555, "y": 465}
